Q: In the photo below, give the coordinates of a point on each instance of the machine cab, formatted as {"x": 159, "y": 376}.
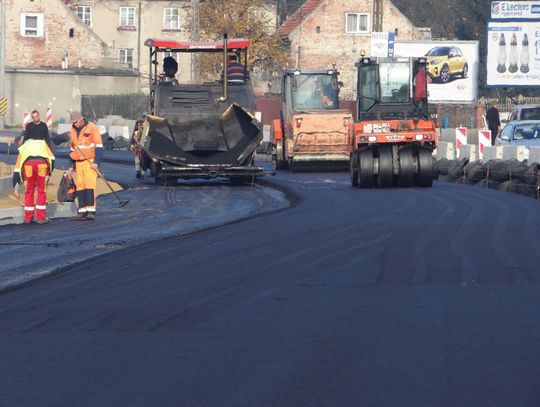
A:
{"x": 310, "y": 90}
{"x": 391, "y": 88}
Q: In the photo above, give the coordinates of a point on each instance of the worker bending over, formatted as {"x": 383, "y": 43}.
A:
{"x": 34, "y": 164}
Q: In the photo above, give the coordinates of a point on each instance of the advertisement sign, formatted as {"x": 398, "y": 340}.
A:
{"x": 452, "y": 68}
{"x": 515, "y": 9}
{"x": 513, "y": 53}
{"x": 382, "y": 45}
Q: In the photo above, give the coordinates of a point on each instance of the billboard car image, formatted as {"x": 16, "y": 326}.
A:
{"x": 446, "y": 63}
{"x": 452, "y": 68}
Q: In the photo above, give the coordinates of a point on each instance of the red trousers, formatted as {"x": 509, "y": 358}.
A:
{"x": 35, "y": 172}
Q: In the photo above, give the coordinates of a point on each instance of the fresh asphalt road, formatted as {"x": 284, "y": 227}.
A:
{"x": 399, "y": 297}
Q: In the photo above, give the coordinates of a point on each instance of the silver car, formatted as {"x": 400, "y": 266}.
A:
{"x": 521, "y": 133}
{"x": 524, "y": 112}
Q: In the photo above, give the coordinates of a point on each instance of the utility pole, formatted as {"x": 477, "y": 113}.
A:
{"x": 194, "y": 37}
{"x": 2, "y": 56}
{"x": 377, "y": 16}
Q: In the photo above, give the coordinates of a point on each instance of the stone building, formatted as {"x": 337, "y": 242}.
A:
{"x": 124, "y": 25}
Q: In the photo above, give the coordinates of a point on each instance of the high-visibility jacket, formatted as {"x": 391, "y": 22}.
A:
{"x": 86, "y": 143}
{"x": 32, "y": 149}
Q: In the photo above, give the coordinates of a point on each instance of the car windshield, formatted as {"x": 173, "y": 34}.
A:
{"x": 532, "y": 113}
{"x": 315, "y": 91}
{"x": 438, "y": 52}
{"x": 527, "y": 131}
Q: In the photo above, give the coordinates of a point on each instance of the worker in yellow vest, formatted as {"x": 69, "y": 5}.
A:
{"x": 34, "y": 164}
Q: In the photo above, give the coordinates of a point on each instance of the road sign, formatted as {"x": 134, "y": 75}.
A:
{"x": 3, "y": 106}
{"x": 461, "y": 138}
{"x": 382, "y": 44}
{"x": 26, "y": 119}
{"x": 484, "y": 140}
{"x": 48, "y": 118}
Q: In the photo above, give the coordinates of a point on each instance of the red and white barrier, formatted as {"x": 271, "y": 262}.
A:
{"x": 26, "y": 119}
{"x": 461, "y": 138}
{"x": 48, "y": 116}
{"x": 484, "y": 140}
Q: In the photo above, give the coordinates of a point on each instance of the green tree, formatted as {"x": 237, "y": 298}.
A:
{"x": 242, "y": 19}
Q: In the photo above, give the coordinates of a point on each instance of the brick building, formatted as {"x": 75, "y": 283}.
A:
{"x": 47, "y": 34}
{"x": 321, "y": 32}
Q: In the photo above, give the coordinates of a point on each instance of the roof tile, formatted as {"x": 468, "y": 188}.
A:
{"x": 294, "y": 20}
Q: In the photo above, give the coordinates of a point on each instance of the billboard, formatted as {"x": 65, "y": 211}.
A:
{"x": 513, "y": 53}
{"x": 515, "y": 9}
{"x": 452, "y": 68}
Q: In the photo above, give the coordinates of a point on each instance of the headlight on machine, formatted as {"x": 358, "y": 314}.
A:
{"x": 372, "y": 139}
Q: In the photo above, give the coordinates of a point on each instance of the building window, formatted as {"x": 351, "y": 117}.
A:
{"x": 127, "y": 16}
{"x": 31, "y": 25}
{"x": 357, "y": 23}
{"x": 125, "y": 56}
{"x": 85, "y": 14}
{"x": 171, "y": 19}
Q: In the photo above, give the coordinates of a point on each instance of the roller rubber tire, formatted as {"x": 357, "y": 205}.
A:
{"x": 353, "y": 169}
{"x": 385, "y": 178}
{"x": 406, "y": 173}
{"x": 425, "y": 168}
{"x": 280, "y": 163}
{"x": 365, "y": 168}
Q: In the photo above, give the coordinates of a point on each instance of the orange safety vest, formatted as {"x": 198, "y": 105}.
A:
{"x": 87, "y": 139}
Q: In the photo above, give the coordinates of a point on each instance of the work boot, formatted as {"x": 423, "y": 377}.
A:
{"x": 138, "y": 174}
{"x": 43, "y": 221}
{"x": 90, "y": 216}
{"x": 27, "y": 222}
{"x": 80, "y": 216}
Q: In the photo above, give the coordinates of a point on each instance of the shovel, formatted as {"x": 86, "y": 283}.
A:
{"x": 16, "y": 199}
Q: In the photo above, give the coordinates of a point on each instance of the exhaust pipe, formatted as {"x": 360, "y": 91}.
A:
{"x": 225, "y": 78}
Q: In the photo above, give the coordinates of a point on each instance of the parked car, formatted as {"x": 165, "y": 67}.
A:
{"x": 445, "y": 62}
{"x": 522, "y": 133}
{"x": 524, "y": 112}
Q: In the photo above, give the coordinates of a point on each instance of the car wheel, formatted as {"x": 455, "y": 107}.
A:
{"x": 465, "y": 71}
{"x": 445, "y": 74}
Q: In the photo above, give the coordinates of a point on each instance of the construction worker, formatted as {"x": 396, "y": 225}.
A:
{"x": 136, "y": 148}
{"x": 236, "y": 72}
{"x": 37, "y": 130}
{"x": 34, "y": 164}
{"x": 86, "y": 154}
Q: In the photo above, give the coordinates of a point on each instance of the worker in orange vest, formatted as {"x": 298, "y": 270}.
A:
{"x": 35, "y": 163}
{"x": 86, "y": 154}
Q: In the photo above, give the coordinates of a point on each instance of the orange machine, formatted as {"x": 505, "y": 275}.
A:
{"x": 393, "y": 138}
{"x": 312, "y": 131}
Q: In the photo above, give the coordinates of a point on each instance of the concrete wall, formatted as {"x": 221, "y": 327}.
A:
{"x": 319, "y": 48}
{"x": 29, "y": 90}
